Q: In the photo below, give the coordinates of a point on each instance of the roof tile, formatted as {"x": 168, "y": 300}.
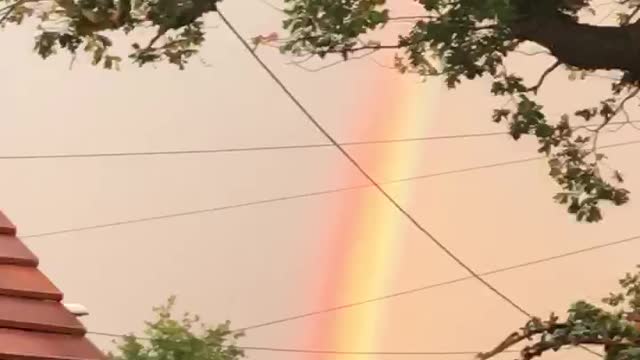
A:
{"x": 39, "y": 315}
{"x": 27, "y": 282}
{"x": 14, "y": 251}
{"x": 34, "y": 325}
{"x": 30, "y": 345}
{"x": 6, "y": 226}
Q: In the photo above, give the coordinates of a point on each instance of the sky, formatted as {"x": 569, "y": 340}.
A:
{"x": 254, "y": 264}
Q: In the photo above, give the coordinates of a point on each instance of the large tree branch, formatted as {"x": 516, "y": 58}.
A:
{"x": 582, "y": 45}
{"x": 589, "y": 47}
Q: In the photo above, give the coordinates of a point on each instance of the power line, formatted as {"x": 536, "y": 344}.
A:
{"x": 259, "y": 148}
{"x": 157, "y": 153}
{"x": 188, "y": 213}
{"x": 247, "y": 149}
{"x": 298, "y": 196}
{"x": 364, "y": 173}
{"x": 312, "y": 351}
{"x": 440, "y": 284}
{"x": 272, "y": 6}
{"x": 398, "y": 294}
{"x": 244, "y": 149}
{"x": 401, "y": 209}
{"x": 389, "y": 353}
{"x": 395, "y": 353}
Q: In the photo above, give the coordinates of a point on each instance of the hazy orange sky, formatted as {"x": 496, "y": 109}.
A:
{"x": 253, "y": 264}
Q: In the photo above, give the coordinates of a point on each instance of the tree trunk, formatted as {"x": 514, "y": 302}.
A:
{"x": 585, "y": 46}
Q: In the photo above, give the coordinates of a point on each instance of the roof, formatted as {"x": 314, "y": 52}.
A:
{"x": 34, "y": 324}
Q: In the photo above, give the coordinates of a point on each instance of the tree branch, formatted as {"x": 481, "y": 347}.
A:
{"x": 10, "y": 11}
{"x": 511, "y": 340}
{"x": 525, "y": 334}
{"x": 546, "y": 73}
{"x": 329, "y": 65}
{"x": 584, "y": 46}
{"x": 620, "y": 108}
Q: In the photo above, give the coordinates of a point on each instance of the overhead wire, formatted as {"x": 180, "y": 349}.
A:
{"x": 333, "y": 144}
{"x": 247, "y": 149}
{"x": 379, "y": 353}
{"x": 313, "y": 351}
{"x": 393, "y": 295}
{"x": 364, "y": 173}
{"x": 439, "y": 284}
{"x": 263, "y": 148}
{"x": 299, "y": 196}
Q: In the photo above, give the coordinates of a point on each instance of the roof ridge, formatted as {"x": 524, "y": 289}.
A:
{"x": 34, "y": 324}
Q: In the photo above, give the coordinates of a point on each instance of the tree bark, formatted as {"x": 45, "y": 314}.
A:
{"x": 585, "y": 46}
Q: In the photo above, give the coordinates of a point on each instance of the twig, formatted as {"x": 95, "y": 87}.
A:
{"x": 10, "y": 9}
{"x": 7, "y": 14}
{"x": 154, "y": 39}
{"x": 72, "y": 61}
{"x": 632, "y": 15}
{"x": 377, "y": 62}
{"x": 326, "y": 66}
{"x": 271, "y": 6}
{"x": 607, "y": 120}
{"x": 511, "y": 340}
{"x": 546, "y": 73}
{"x": 517, "y": 337}
{"x": 618, "y": 109}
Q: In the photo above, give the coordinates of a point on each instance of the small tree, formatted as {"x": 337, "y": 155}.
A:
{"x": 616, "y": 327}
{"x": 186, "y": 338}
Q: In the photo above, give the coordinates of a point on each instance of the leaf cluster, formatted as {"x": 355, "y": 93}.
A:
{"x": 184, "y": 338}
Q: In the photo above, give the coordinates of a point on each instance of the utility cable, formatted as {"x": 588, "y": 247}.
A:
{"x": 297, "y": 196}
{"x": 257, "y": 148}
{"x": 244, "y": 149}
{"x": 364, "y": 173}
{"x": 439, "y": 284}
{"x": 398, "y": 294}
{"x": 311, "y": 351}
{"x": 247, "y": 149}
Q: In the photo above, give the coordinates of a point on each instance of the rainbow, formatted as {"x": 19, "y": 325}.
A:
{"x": 362, "y": 248}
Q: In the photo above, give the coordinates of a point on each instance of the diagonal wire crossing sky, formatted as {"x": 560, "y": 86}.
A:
{"x": 373, "y": 182}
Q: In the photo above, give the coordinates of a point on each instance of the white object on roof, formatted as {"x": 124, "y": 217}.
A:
{"x": 77, "y": 309}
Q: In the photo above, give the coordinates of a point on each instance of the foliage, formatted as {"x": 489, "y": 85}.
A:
{"x": 456, "y": 40}
{"x": 615, "y": 327}
{"x": 89, "y": 25}
{"x": 468, "y": 39}
{"x": 187, "y": 338}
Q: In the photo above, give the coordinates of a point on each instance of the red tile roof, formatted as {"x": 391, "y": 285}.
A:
{"x": 34, "y": 325}
{"x": 6, "y": 226}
